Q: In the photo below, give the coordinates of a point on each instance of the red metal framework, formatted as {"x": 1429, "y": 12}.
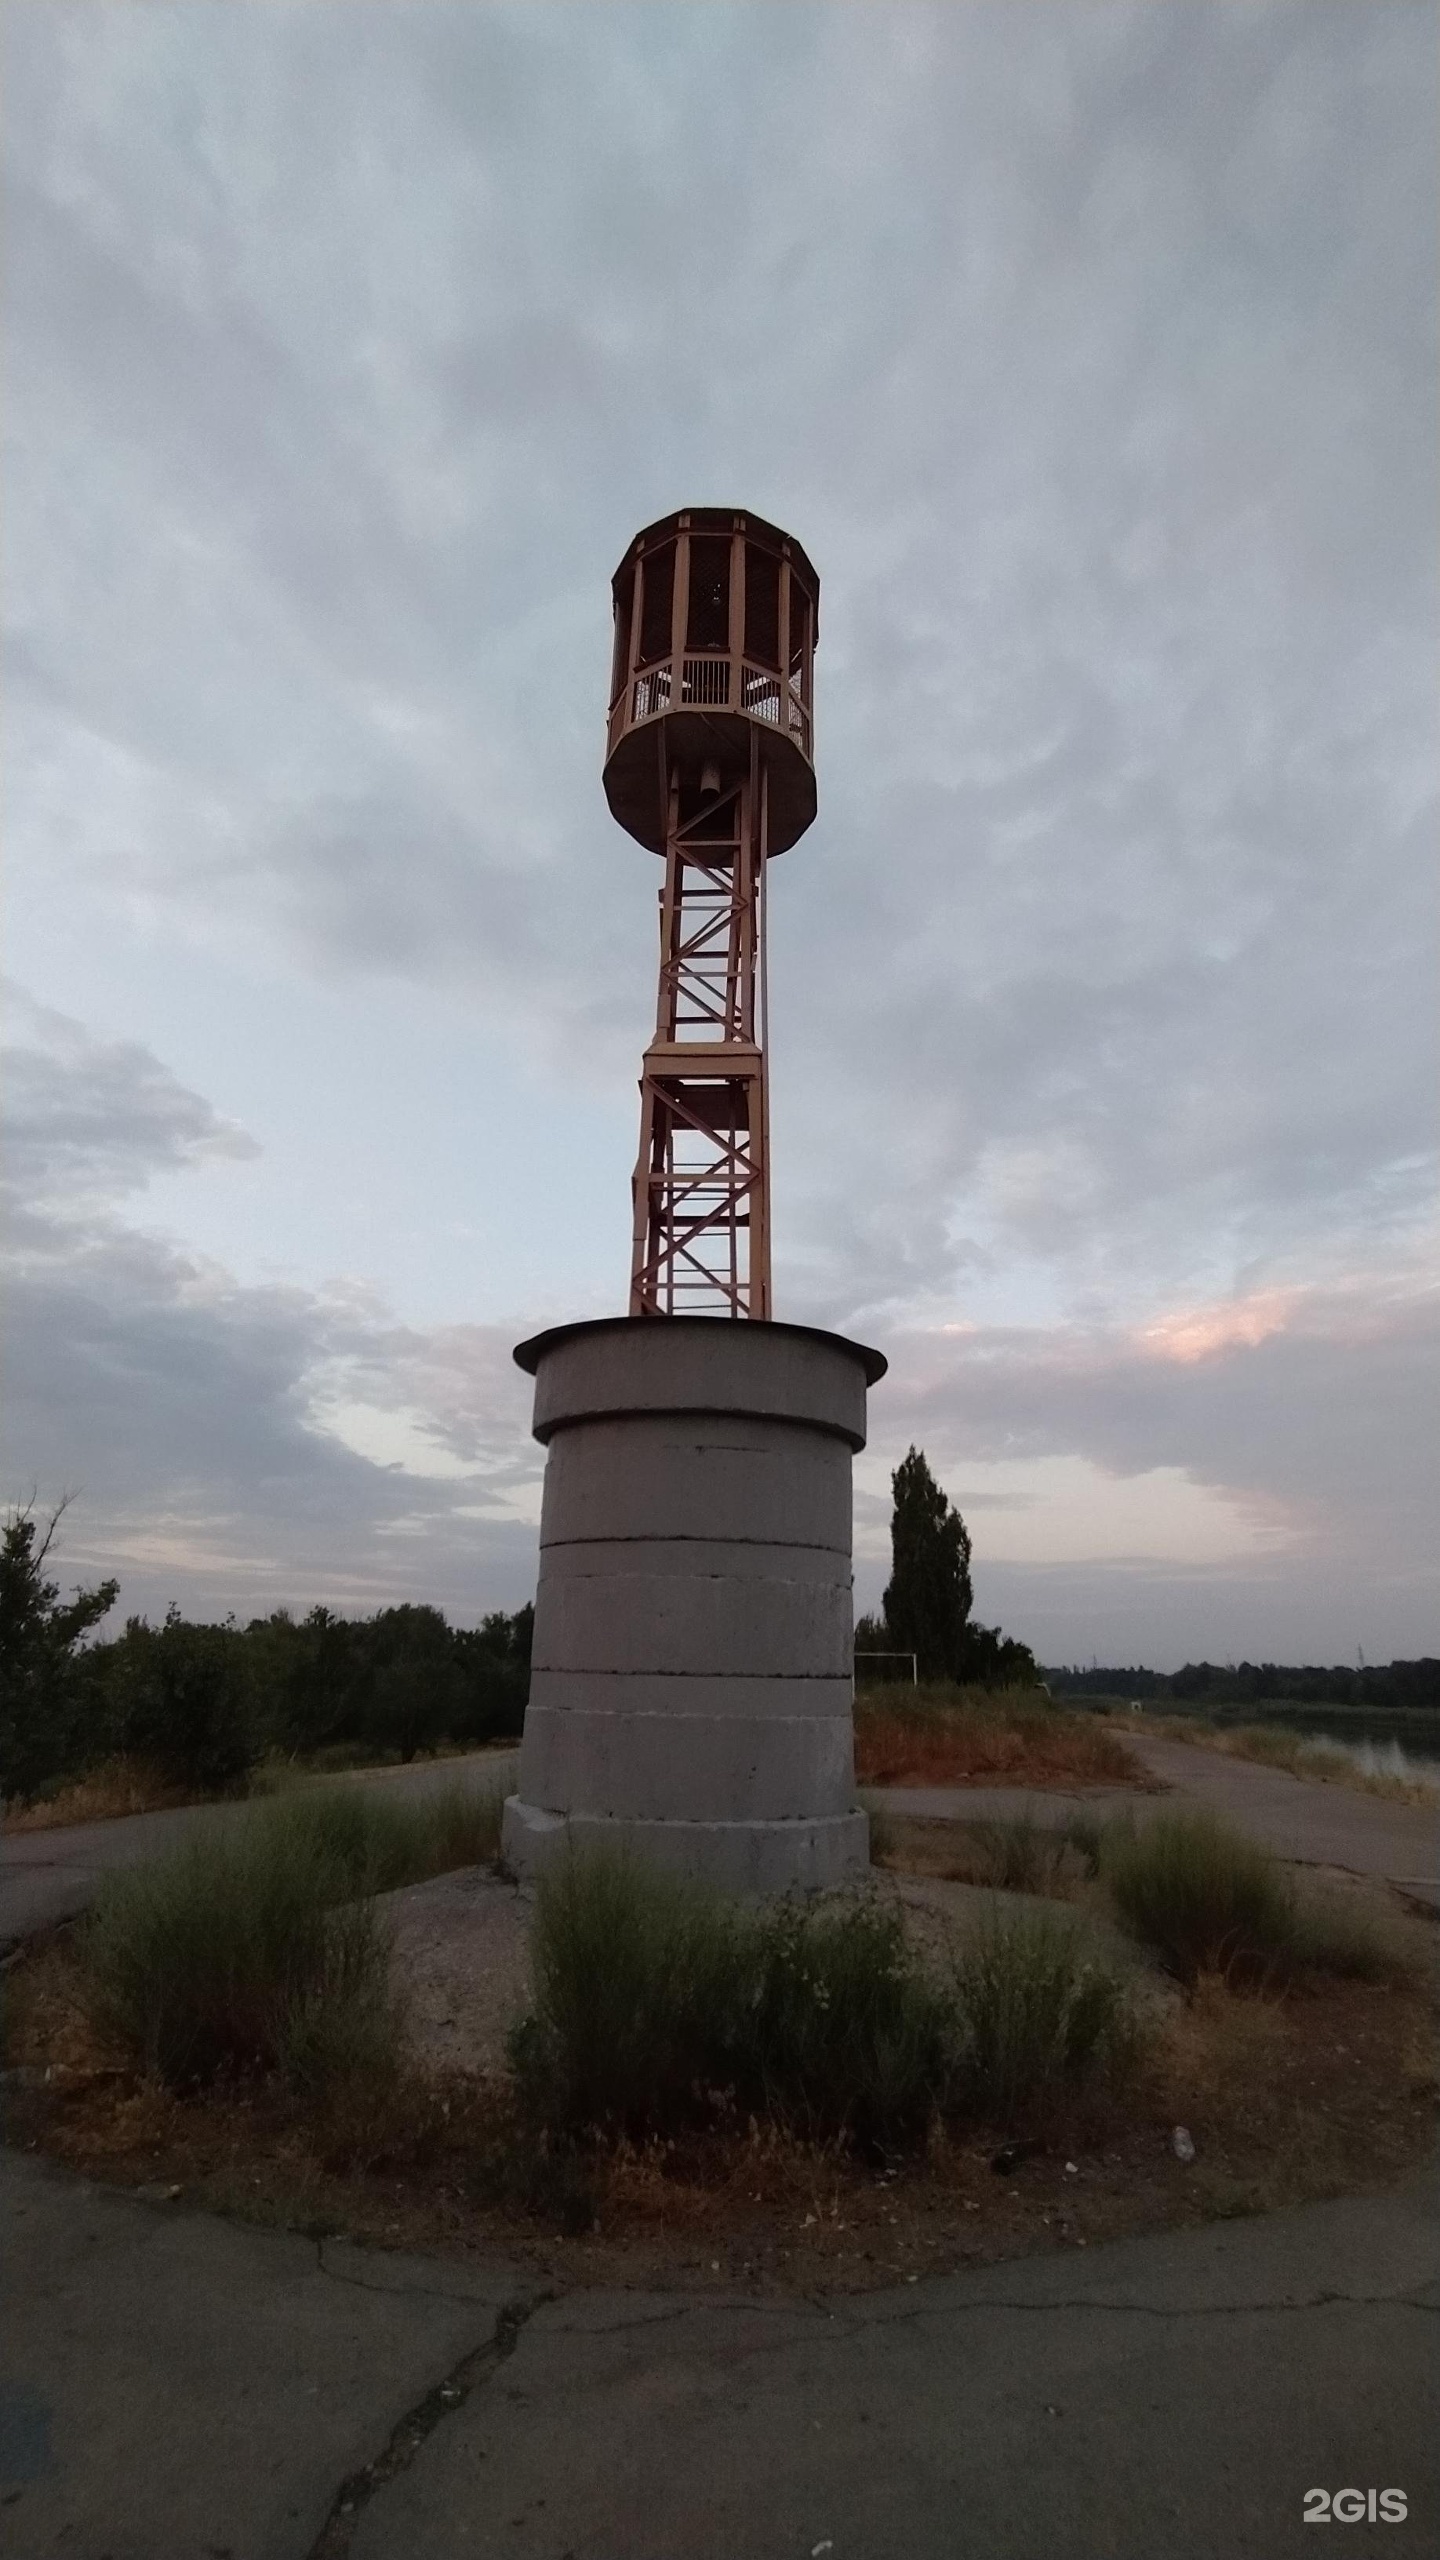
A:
{"x": 709, "y": 763}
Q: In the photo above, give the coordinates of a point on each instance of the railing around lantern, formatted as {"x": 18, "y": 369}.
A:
{"x": 709, "y": 681}
{"x": 760, "y": 694}
{"x": 705, "y": 680}
{"x": 652, "y": 693}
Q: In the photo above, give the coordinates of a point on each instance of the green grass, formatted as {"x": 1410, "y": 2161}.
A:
{"x": 659, "y": 2006}
{"x": 1020, "y": 1855}
{"x": 1042, "y": 2018}
{"x": 382, "y": 1841}
{"x": 1201, "y": 1896}
{"x": 256, "y": 1945}
{"x": 1207, "y": 1900}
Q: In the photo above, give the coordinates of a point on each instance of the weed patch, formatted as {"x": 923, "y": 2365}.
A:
{"x": 658, "y": 2009}
{"x": 256, "y": 1946}
{"x": 1209, "y": 1901}
{"x": 956, "y": 1737}
{"x": 117, "y": 1787}
{"x": 1203, "y": 1897}
{"x": 658, "y": 2005}
{"x": 1021, "y": 1855}
{"x": 1043, "y": 2020}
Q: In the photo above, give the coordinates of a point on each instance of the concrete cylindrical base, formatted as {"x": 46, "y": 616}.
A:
{"x": 691, "y": 1691}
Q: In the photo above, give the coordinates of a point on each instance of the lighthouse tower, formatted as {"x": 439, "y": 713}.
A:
{"x": 691, "y": 1696}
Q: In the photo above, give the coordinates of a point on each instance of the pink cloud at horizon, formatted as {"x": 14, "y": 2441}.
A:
{"x": 1195, "y": 1333}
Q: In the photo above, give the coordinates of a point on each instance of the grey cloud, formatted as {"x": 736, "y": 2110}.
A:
{"x": 176, "y": 1405}
{"x": 96, "y": 1119}
{"x": 181, "y": 1407}
{"x": 1324, "y": 1432}
{"x": 1317, "y": 1421}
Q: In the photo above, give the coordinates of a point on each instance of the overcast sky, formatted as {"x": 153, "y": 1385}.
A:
{"x": 1090, "y": 353}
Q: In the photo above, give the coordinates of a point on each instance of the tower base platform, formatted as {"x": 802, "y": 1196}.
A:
{"x": 691, "y": 1695}
{"x": 733, "y": 1857}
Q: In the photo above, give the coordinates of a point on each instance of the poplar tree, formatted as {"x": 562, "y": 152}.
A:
{"x": 928, "y": 1599}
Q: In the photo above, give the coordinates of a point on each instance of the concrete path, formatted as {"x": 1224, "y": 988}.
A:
{"x": 180, "y": 2388}
{"x": 46, "y": 1876}
{"x": 1299, "y": 1818}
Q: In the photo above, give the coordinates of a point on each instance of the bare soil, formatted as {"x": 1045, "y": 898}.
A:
{"x": 1330, "y": 2090}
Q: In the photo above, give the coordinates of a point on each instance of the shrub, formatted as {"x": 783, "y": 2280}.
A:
{"x": 1019, "y": 1855}
{"x": 1205, "y": 1898}
{"x": 256, "y": 1945}
{"x": 380, "y": 1842}
{"x": 1334, "y": 1935}
{"x": 657, "y": 2004}
{"x": 1042, "y": 2019}
{"x": 462, "y": 1827}
{"x": 340, "y": 2022}
{"x": 226, "y": 1955}
{"x": 843, "y": 2032}
{"x": 635, "y": 1991}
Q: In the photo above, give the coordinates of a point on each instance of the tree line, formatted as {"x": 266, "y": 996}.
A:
{"x": 203, "y": 1703}
{"x": 1388, "y": 1684}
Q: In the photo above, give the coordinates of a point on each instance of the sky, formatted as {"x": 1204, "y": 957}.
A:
{"x": 1089, "y": 352}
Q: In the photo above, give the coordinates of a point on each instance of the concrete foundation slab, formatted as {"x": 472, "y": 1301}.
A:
{"x": 733, "y": 1857}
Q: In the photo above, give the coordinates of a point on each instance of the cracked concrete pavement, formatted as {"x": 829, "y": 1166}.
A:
{"x": 175, "y": 2387}
{"x": 181, "y": 2388}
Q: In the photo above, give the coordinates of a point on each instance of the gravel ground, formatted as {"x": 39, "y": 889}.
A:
{"x": 461, "y": 1959}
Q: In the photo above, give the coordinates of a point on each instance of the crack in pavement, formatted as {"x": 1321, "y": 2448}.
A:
{"x": 398, "y": 2292}
{"x": 355, "y": 2493}
{"x": 1158, "y": 2310}
{"x": 852, "y": 2324}
{"x": 336, "y": 2535}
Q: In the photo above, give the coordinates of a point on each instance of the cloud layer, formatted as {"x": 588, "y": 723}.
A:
{"x": 1094, "y": 365}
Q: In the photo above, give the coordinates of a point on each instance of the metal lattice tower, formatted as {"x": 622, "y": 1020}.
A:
{"x": 709, "y": 763}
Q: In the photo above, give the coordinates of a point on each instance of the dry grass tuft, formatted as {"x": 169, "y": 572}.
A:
{"x": 950, "y": 1737}
{"x": 118, "y": 1787}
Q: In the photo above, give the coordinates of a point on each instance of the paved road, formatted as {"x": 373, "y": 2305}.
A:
{"x": 1299, "y": 1818}
{"x": 181, "y": 2388}
{"x": 45, "y": 1876}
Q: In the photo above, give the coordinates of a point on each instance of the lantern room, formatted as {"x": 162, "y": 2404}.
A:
{"x": 716, "y": 619}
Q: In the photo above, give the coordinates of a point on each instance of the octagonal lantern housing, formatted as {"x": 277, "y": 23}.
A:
{"x": 716, "y": 619}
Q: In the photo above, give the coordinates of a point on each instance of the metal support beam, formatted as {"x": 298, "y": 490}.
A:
{"x": 701, "y": 1193}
